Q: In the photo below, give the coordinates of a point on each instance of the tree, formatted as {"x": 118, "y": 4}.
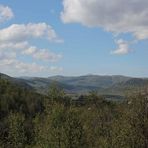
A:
{"x": 131, "y": 128}
{"x": 73, "y": 129}
{"x": 56, "y": 94}
{"x": 16, "y": 135}
{"x": 49, "y": 130}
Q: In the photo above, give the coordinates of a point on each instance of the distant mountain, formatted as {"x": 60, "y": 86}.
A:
{"x": 114, "y": 85}
{"x": 91, "y": 80}
{"x": 105, "y": 85}
{"x": 42, "y": 85}
{"x": 4, "y": 76}
{"x": 133, "y": 85}
{"x": 136, "y": 82}
{"x": 17, "y": 81}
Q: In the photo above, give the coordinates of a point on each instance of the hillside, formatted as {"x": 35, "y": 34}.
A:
{"x": 104, "y": 85}
{"x": 113, "y": 85}
{"x": 29, "y": 119}
{"x": 91, "y": 80}
{"x": 17, "y": 81}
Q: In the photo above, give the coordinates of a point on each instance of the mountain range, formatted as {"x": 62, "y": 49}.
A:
{"x": 104, "y": 85}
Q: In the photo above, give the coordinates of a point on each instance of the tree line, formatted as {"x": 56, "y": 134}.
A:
{"x": 31, "y": 120}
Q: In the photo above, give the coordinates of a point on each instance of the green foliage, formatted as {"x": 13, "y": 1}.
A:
{"x": 56, "y": 93}
{"x": 30, "y": 120}
{"x": 73, "y": 129}
{"x": 16, "y": 133}
{"x": 61, "y": 128}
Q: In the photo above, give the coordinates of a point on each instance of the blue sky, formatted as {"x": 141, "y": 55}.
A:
{"x": 69, "y": 37}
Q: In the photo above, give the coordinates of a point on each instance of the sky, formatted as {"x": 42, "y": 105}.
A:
{"x": 74, "y": 37}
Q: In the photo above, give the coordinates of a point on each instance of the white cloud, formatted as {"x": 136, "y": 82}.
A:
{"x": 12, "y": 65}
{"x": 23, "y": 48}
{"x": 46, "y": 55}
{"x": 13, "y": 46}
{"x": 123, "y": 47}
{"x": 17, "y": 37}
{"x": 5, "y": 55}
{"x": 21, "y": 32}
{"x": 56, "y": 69}
{"x": 5, "y": 13}
{"x": 15, "y": 41}
{"x": 42, "y": 54}
{"x": 29, "y": 50}
{"x": 27, "y": 67}
{"x": 117, "y": 16}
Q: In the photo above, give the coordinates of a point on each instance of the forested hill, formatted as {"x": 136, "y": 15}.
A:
{"x": 32, "y": 120}
{"x": 14, "y": 97}
{"x": 113, "y": 85}
{"x": 17, "y": 81}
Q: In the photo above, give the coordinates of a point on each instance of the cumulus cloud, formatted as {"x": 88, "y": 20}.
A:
{"x": 21, "y": 32}
{"x": 27, "y": 67}
{"x": 5, "y": 13}
{"x": 47, "y": 55}
{"x": 123, "y": 47}
{"x": 17, "y": 37}
{"x": 42, "y": 54}
{"x": 15, "y": 41}
{"x": 29, "y": 50}
{"x": 11, "y": 65}
{"x": 117, "y": 16}
{"x": 13, "y": 46}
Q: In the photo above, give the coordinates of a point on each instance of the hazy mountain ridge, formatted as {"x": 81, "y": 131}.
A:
{"x": 91, "y": 80}
{"x": 17, "y": 81}
{"x": 115, "y": 85}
